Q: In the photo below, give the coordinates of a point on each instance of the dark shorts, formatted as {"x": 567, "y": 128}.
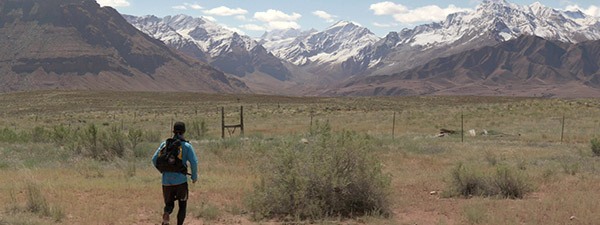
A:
{"x": 175, "y": 192}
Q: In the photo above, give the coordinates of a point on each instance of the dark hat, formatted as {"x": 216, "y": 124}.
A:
{"x": 179, "y": 127}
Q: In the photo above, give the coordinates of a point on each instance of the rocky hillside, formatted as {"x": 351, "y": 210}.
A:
{"x": 76, "y": 44}
{"x": 492, "y": 22}
{"x": 526, "y": 66}
{"x": 225, "y": 49}
{"x": 330, "y": 55}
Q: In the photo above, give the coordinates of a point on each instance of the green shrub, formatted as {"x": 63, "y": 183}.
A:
{"x": 197, "y": 130}
{"x": 468, "y": 182}
{"x": 145, "y": 150}
{"x": 57, "y": 213}
{"x": 510, "y": 183}
{"x": 134, "y": 136}
{"x": 40, "y": 135}
{"x": 570, "y": 168}
{"x": 595, "y": 146}
{"x": 506, "y": 182}
{"x": 152, "y": 136}
{"x": 207, "y": 211}
{"x": 8, "y": 135}
{"x": 89, "y": 138}
{"x": 113, "y": 142}
{"x": 61, "y": 134}
{"x": 336, "y": 175}
{"x": 36, "y": 202}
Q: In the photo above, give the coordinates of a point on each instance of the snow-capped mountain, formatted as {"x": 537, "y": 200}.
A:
{"x": 158, "y": 29}
{"x": 335, "y": 44}
{"x": 279, "y": 39}
{"x": 322, "y": 52}
{"x": 211, "y": 37}
{"x": 491, "y": 22}
{"x": 225, "y": 49}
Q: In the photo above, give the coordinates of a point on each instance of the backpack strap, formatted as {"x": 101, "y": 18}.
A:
{"x": 161, "y": 150}
{"x": 180, "y": 153}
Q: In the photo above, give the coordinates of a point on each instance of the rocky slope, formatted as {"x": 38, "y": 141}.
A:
{"x": 329, "y": 54}
{"x": 225, "y": 49}
{"x": 76, "y": 44}
{"x": 492, "y": 22}
{"x": 526, "y": 66}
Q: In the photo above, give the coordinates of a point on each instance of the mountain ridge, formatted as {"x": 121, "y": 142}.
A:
{"x": 490, "y": 23}
{"x": 76, "y": 44}
{"x": 526, "y": 66}
{"x": 227, "y": 50}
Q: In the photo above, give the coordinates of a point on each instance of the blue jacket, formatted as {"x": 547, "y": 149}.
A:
{"x": 188, "y": 155}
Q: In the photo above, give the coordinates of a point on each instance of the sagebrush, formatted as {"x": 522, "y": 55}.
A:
{"x": 505, "y": 182}
{"x": 335, "y": 174}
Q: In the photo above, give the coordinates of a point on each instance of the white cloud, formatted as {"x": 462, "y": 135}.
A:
{"x": 194, "y": 6}
{"x": 384, "y": 24}
{"x": 209, "y": 18}
{"x": 427, "y": 14}
{"x": 592, "y": 10}
{"x": 240, "y": 17}
{"x": 388, "y": 8}
{"x": 179, "y": 7}
{"x": 278, "y": 20}
{"x": 408, "y": 16}
{"x": 113, "y": 3}
{"x": 253, "y": 27}
{"x": 276, "y": 15}
{"x": 324, "y": 15}
{"x": 226, "y": 11}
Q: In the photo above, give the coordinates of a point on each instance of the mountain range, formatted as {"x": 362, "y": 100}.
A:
{"x": 222, "y": 48}
{"x": 76, "y": 44}
{"x": 526, "y": 66}
{"x": 492, "y": 22}
{"x": 332, "y": 51}
{"x": 499, "y": 48}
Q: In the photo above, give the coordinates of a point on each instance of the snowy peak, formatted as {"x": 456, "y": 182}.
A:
{"x": 492, "y": 22}
{"x": 210, "y": 37}
{"x": 506, "y": 21}
{"x": 334, "y": 45}
{"x": 223, "y": 48}
{"x": 343, "y": 23}
{"x": 184, "y": 22}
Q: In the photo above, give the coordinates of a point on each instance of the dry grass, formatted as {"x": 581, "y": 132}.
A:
{"x": 128, "y": 191}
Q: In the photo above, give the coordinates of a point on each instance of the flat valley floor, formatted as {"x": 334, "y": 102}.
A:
{"x": 74, "y": 188}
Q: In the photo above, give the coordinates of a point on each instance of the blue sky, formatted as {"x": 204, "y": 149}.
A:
{"x": 254, "y": 17}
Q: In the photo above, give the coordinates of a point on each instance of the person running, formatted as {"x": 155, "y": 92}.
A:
{"x": 171, "y": 160}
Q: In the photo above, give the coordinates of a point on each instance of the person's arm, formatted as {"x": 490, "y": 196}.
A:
{"x": 193, "y": 162}
{"x": 155, "y": 157}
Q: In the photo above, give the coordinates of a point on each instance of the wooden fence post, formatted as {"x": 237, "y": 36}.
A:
{"x": 462, "y": 127}
{"x": 222, "y": 122}
{"x": 311, "y": 120}
{"x": 242, "y": 119}
{"x": 562, "y": 132}
{"x": 393, "y": 126}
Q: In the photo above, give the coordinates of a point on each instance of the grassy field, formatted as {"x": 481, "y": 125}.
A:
{"x": 45, "y": 181}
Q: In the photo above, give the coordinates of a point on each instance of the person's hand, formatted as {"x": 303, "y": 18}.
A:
{"x": 194, "y": 181}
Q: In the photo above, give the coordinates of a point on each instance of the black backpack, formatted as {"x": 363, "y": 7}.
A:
{"x": 170, "y": 156}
